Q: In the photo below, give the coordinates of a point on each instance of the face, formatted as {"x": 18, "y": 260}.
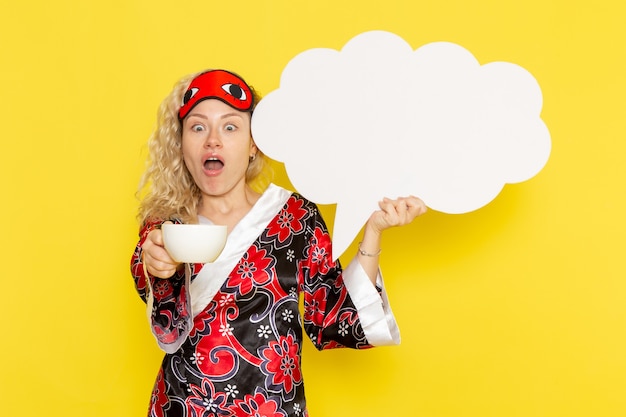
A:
{"x": 217, "y": 146}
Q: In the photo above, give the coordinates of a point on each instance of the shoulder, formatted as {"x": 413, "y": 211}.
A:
{"x": 298, "y": 200}
{"x": 292, "y": 199}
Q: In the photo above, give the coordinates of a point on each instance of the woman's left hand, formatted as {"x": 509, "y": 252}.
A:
{"x": 397, "y": 212}
{"x": 392, "y": 213}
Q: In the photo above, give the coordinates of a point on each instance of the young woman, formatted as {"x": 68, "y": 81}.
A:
{"x": 231, "y": 329}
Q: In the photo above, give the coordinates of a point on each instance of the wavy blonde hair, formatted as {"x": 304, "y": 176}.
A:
{"x": 168, "y": 189}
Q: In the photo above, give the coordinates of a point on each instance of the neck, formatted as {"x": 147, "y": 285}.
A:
{"x": 228, "y": 209}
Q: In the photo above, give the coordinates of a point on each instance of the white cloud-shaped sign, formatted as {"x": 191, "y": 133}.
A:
{"x": 379, "y": 119}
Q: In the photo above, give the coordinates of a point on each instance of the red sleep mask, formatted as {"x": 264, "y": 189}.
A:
{"x": 218, "y": 84}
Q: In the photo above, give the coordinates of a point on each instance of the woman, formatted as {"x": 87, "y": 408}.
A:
{"x": 231, "y": 330}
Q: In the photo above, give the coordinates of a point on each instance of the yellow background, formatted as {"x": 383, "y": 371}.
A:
{"x": 515, "y": 310}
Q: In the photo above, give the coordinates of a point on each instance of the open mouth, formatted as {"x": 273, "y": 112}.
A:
{"x": 213, "y": 164}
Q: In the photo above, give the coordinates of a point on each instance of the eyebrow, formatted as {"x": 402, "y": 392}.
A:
{"x": 224, "y": 116}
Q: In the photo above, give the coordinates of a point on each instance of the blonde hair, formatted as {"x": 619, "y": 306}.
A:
{"x": 170, "y": 191}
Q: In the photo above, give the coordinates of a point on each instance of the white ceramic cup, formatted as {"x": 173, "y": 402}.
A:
{"x": 194, "y": 243}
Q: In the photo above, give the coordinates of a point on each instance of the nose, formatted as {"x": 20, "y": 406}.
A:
{"x": 213, "y": 139}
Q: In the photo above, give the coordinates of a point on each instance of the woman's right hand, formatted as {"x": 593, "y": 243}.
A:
{"x": 156, "y": 259}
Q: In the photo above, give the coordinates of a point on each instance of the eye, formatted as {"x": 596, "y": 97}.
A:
{"x": 189, "y": 94}
{"x": 235, "y": 91}
{"x": 197, "y": 128}
{"x": 230, "y": 127}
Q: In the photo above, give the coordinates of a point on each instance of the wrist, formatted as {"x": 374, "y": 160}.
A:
{"x": 372, "y": 254}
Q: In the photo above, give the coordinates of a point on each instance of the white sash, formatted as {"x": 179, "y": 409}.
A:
{"x": 213, "y": 275}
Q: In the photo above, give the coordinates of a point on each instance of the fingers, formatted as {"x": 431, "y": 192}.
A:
{"x": 158, "y": 267}
{"x": 157, "y": 260}
{"x": 401, "y": 211}
{"x": 415, "y": 206}
{"x": 157, "y": 236}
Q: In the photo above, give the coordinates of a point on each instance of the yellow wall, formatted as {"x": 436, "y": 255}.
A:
{"x": 515, "y": 310}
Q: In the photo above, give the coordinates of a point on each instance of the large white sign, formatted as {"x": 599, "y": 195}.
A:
{"x": 379, "y": 119}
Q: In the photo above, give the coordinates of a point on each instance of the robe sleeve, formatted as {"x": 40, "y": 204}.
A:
{"x": 341, "y": 308}
{"x": 168, "y": 306}
{"x": 372, "y": 304}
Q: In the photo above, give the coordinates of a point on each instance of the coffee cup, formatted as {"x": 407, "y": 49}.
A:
{"x": 194, "y": 243}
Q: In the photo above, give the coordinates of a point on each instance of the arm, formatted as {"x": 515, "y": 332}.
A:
{"x": 145, "y": 265}
{"x": 372, "y": 304}
{"x": 137, "y": 267}
{"x": 163, "y": 285}
{"x": 392, "y": 213}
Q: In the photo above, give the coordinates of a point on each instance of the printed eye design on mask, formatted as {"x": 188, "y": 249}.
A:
{"x": 189, "y": 95}
{"x": 235, "y": 91}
